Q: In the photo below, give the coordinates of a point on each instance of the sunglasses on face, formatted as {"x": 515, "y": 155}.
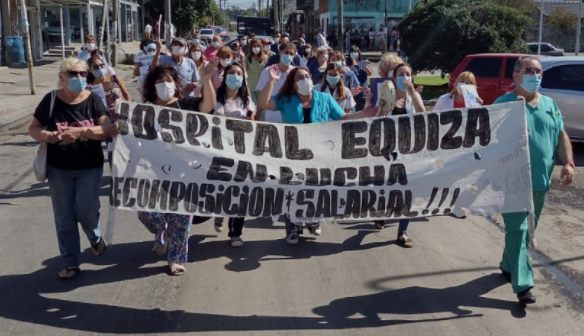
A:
{"x": 73, "y": 73}
{"x": 532, "y": 71}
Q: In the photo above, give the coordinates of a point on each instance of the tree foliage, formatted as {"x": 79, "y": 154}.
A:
{"x": 438, "y": 34}
{"x": 562, "y": 19}
{"x": 186, "y": 14}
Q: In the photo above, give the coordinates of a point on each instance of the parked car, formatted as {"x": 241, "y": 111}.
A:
{"x": 547, "y": 49}
{"x": 563, "y": 80}
{"x": 206, "y": 33}
{"x": 493, "y": 72}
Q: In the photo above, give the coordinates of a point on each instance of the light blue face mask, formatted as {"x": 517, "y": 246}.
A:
{"x": 99, "y": 73}
{"x": 286, "y": 59}
{"x": 531, "y": 83}
{"x": 233, "y": 81}
{"x": 77, "y": 84}
{"x": 333, "y": 80}
{"x": 400, "y": 82}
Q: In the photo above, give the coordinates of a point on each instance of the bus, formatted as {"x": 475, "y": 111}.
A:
{"x": 260, "y": 26}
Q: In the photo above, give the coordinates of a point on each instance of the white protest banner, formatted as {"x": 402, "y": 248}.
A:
{"x": 426, "y": 164}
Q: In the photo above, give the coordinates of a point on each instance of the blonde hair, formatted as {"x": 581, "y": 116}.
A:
{"x": 67, "y": 64}
{"x": 388, "y": 62}
{"x": 466, "y": 76}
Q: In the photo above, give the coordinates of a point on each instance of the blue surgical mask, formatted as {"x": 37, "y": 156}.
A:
{"x": 286, "y": 59}
{"x": 99, "y": 73}
{"x": 531, "y": 83}
{"x": 338, "y": 64}
{"x": 400, "y": 82}
{"x": 354, "y": 55}
{"x": 333, "y": 80}
{"x": 233, "y": 81}
{"x": 77, "y": 84}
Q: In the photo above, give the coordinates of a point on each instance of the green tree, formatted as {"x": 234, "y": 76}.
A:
{"x": 186, "y": 18}
{"x": 562, "y": 19}
{"x": 438, "y": 34}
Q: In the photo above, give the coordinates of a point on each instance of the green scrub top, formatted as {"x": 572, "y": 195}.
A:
{"x": 544, "y": 124}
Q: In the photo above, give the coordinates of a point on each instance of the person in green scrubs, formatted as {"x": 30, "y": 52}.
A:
{"x": 546, "y": 138}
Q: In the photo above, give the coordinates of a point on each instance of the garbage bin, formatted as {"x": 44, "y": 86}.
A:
{"x": 14, "y": 50}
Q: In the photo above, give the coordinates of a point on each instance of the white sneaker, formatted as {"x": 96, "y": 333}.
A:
{"x": 314, "y": 229}
{"x": 236, "y": 242}
{"x": 218, "y": 223}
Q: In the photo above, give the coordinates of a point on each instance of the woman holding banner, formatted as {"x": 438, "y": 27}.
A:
{"x": 171, "y": 231}
{"x": 406, "y": 100}
{"x": 298, "y": 103}
{"x": 464, "y": 94}
{"x": 234, "y": 100}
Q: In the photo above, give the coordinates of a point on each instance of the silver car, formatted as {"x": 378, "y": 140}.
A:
{"x": 563, "y": 80}
{"x": 547, "y": 49}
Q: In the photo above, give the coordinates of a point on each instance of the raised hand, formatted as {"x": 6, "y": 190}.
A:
{"x": 274, "y": 72}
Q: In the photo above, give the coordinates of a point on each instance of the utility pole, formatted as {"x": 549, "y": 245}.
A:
{"x": 340, "y": 23}
{"x": 579, "y": 28}
{"x": 25, "y": 27}
{"x": 103, "y": 25}
{"x": 167, "y": 23}
{"x": 115, "y": 37}
{"x": 540, "y": 27}
{"x": 275, "y": 13}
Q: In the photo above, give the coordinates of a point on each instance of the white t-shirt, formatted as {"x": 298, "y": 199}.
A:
{"x": 234, "y": 108}
{"x": 144, "y": 60}
{"x": 148, "y": 28}
{"x": 269, "y": 115}
{"x": 371, "y": 35}
{"x": 346, "y": 104}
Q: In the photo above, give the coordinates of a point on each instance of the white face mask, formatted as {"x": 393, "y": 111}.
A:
{"x": 225, "y": 62}
{"x": 165, "y": 90}
{"x": 90, "y": 46}
{"x": 196, "y": 55}
{"x": 178, "y": 51}
{"x": 305, "y": 86}
{"x": 256, "y": 50}
{"x": 390, "y": 74}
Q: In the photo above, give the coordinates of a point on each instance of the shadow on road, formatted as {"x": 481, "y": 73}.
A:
{"x": 255, "y": 252}
{"x": 24, "y": 299}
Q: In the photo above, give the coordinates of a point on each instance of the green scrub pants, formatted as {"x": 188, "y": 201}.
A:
{"x": 515, "y": 255}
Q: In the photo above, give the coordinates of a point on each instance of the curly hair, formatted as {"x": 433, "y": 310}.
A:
{"x": 156, "y": 73}
{"x": 242, "y": 92}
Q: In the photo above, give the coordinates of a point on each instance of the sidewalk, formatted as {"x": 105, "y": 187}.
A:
{"x": 16, "y": 102}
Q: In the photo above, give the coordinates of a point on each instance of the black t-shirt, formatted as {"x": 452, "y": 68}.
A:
{"x": 188, "y": 103}
{"x": 86, "y": 154}
{"x": 306, "y": 111}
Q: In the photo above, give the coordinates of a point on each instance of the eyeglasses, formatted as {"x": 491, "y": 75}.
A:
{"x": 72, "y": 73}
{"x": 532, "y": 71}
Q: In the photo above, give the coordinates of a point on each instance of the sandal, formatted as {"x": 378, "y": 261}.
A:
{"x": 176, "y": 268}
{"x": 99, "y": 247}
{"x": 379, "y": 224}
{"x": 404, "y": 241}
{"x": 68, "y": 273}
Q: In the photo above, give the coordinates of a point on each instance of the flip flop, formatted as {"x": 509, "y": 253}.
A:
{"x": 68, "y": 273}
{"x": 404, "y": 241}
{"x": 176, "y": 269}
{"x": 99, "y": 247}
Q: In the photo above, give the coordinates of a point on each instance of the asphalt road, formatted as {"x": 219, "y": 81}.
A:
{"x": 353, "y": 280}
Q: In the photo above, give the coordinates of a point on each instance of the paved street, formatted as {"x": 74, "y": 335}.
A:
{"x": 353, "y": 280}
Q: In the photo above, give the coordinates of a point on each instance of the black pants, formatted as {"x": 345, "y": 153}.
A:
{"x": 236, "y": 226}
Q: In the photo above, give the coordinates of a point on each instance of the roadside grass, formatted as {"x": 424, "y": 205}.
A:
{"x": 434, "y": 86}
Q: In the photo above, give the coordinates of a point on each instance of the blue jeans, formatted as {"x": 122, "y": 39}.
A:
{"x": 403, "y": 225}
{"x": 75, "y": 198}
